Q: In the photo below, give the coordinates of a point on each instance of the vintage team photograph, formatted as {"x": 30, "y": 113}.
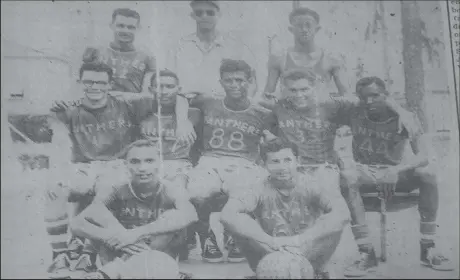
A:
{"x": 229, "y": 140}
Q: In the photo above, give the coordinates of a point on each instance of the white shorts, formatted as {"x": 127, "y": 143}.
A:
{"x": 325, "y": 176}
{"x": 172, "y": 168}
{"x": 223, "y": 174}
{"x": 81, "y": 177}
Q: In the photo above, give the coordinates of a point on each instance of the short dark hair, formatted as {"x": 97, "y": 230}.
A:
{"x": 302, "y": 12}
{"x": 164, "y": 73}
{"x": 276, "y": 145}
{"x": 139, "y": 144}
{"x": 298, "y": 74}
{"x": 125, "y": 12}
{"x": 96, "y": 67}
{"x": 232, "y": 66}
{"x": 366, "y": 81}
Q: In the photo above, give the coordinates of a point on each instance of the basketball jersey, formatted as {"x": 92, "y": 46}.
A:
{"x": 232, "y": 133}
{"x": 129, "y": 68}
{"x": 377, "y": 142}
{"x": 130, "y": 209}
{"x": 324, "y": 66}
{"x": 312, "y": 131}
{"x": 172, "y": 149}
{"x": 287, "y": 215}
{"x": 104, "y": 133}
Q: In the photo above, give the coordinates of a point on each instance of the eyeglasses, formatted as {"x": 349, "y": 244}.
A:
{"x": 91, "y": 83}
{"x": 209, "y": 13}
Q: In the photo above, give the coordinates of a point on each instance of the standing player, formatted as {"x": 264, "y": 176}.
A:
{"x": 378, "y": 150}
{"x": 291, "y": 214}
{"x": 100, "y": 127}
{"x": 178, "y": 156}
{"x": 305, "y": 54}
{"x": 143, "y": 212}
{"x": 232, "y": 130}
{"x": 198, "y": 55}
{"x": 132, "y": 69}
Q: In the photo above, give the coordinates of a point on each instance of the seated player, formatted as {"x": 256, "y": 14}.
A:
{"x": 287, "y": 212}
{"x": 378, "y": 147}
{"x": 232, "y": 130}
{"x": 100, "y": 127}
{"x": 177, "y": 155}
{"x": 146, "y": 265}
{"x": 141, "y": 213}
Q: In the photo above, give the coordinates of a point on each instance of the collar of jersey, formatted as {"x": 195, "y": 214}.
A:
{"x": 226, "y": 108}
{"x": 130, "y": 186}
{"x": 117, "y": 48}
{"x": 218, "y": 41}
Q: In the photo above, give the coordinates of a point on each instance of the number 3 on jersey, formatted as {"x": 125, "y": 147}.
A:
{"x": 234, "y": 143}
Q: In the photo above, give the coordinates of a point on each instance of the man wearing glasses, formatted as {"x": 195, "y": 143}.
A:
{"x": 132, "y": 69}
{"x": 198, "y": 56}
{"x": 100, "y": 127}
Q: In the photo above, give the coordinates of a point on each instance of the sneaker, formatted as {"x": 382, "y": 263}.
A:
{"x": 75, "y": 247}
{"x": 60, "y": 267}
{"x": 434, "y": 259}
{"x": 234, "y": 253}
{"x": 366, "y": 264}
{"x": 185, "y": 275}
{"x": 322, "y": 275}
{"x": 83, "y": 263}
{"x": 211, "y": 252}
{"x": 95, "y": 275}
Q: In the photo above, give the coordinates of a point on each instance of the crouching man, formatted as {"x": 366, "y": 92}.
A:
{"x": 286, "y": 213}
{"x": 142, "y": 213}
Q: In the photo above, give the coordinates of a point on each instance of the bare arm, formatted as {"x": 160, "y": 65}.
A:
{"x": 236, "y": 220}
{"x": 95, "y": 222}
{"x": 422, "y": 150}
{"x": 172, "y": 220}
{"x": 274, "y": 74}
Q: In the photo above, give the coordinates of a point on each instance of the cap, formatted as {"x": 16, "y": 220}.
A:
{"x": 215, "y": 3}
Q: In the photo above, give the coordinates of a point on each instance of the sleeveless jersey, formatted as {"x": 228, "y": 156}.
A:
{"x": 232, "y": 133}
{"x": 281, "y": 215}
{"x": 324, "y": 66}
{"x": 172, "y": 149}
{"x": 103, "y": 134}
{"x": 129, "y": 68}
{"x": 377, "y": 143}
{"x": 313, "y": 131}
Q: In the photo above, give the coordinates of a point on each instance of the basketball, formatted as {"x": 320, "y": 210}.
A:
{"x": 150, "y": 265}
{"x": 284, "y": 265}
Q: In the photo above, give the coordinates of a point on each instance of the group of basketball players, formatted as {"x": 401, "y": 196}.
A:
{"x": 152, "y": 160}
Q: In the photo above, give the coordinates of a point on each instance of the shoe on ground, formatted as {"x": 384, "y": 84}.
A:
{"x": 234, "y": 253}
{"x": 211, "y": 252}
{"x": 362, "y": 267}
{"x": 433, "y": 258}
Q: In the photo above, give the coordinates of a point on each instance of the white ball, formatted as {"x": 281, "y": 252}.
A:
{"x": 284, "y": 265}
{"x": 150, "y": 265}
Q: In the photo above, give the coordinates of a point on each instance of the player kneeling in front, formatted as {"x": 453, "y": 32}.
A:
{"x": 378, "y": 149}
{"x": 291, "y": 216}
{"x": 128, "y": 217}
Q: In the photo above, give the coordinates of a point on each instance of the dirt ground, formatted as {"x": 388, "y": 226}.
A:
{"x": 26, "y": 253}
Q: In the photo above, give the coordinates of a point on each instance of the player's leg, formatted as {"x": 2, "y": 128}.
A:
{"x": 238, "y": 174}
{"x": 425, "y": 179}
{"x": 204, "y": 187}
{"x": 352, "y": 182}
{"x": 148, "y": 265}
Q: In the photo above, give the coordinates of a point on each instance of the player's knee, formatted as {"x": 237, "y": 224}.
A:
{"x": 427, "y": 175}
{"x": 283, "y": 265}
{"x": 348, "y": 180}
{"x": 151, "y": 265}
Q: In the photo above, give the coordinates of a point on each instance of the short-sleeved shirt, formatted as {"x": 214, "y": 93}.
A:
{"x": 129, "y": 68}
{"x": 198, "y": 67}
{"x": 282, "y": 214}
{"x": 103, "y": 133}
{"x": 172, "y": 149}
{"x": 313, "y": 131}
{"x": 133, "y": 209}
{"x": 380, "y": 143}
{"x": 232, "y": 133}
{"x": 324, "y": 66}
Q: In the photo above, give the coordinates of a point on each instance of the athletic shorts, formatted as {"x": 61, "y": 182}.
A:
{"x": 80, "y": 178}
{"x": 214, "y": 175}
{"x": 173, "y": 168}
{"x": 326, "y": 176}
{"x": 368, "y": 178}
